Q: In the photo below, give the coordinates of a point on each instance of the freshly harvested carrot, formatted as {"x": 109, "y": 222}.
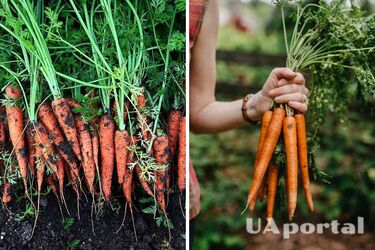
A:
{"x": 2, "y": 127}
{"x": 266, "y": 119}
{"x": 270, "y": 141}
{"x": 142, "y": 118}
{"x": 65, "y": 118}
{"x": 273, "y": 175}
{"x": 48, "y": 151}
{"x": 142, "y": 180}
{"x": 181, "y": 170}
{"x": 128, "y": 178}
{"x": 52, "y": 184}
{"x": 122, "y": 145}
{"x": 107, "y": 152}
{"x": 64, "y": 148}
{"x": 31, "y": 149}
{"x": 95, "y": 141}
{"x": 290, "y": 140}
{"x": 161, "y": 152}
{"x": 173, "y": 123}
{"x": 86, "y": 151}
{"x": 302, "y": 157}
{"x": 16, "y": 132}
{"x": 7, "y": 190}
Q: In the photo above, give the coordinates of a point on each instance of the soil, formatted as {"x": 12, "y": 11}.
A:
{"x": 50, "y": 233}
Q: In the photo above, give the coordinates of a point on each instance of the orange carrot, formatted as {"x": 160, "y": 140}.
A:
{"x": 86, "y": 151}
{"x": 181, "y": 170}
{"x": 266, "y": 119}
{"x": 107, "y": 152}
{"x": 270, "y": 141}
{"x": 65, "y": 118}
{"x": 64, "y": 149}
{"x": 52, "y": 184}
{"x": 2, "y": 128}
{"x": 273, "y": 175}
{"x": 122, "y": 145}
{"x": 48, "y": 151}
{"x": 31, "y": 147}
{"x": 173, "y": 122}
{"x": 128, "y": 178}
{"x": 16, "y": 133}
{"x": 7, "y": 191}
{"x": 290, "y": 140}
{"x": 161, "y": 151}
{"x": 302, "y": 157}
{"x": 142, "y": 180}
{"x": 95, "y": 141}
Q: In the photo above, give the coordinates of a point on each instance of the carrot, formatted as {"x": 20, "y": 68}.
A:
{"x": 161, "y": 151}
{"x": 142, "y": 180}
{"x": 48, "y": 151}
{"x": 290, "y": 140}
{"x": 302, "y": 157}
{"x": 95, "y": 142}
{"x": 122, "y": 145}
{"x": 270, "y": 141}
{"x": 16, "y": 133}
{"x": 107, "y": 152}
{"x": 173, "y": 122}
{"x": 64, "y": 148}
{"x": 142, "y": 118}
{"x": 128, "y": 178}
{"x": 65, "y": 118}
{"x": 262, "y": 190}
{"x": 40, "y": 167}
{"x": 266, "y": 119}
{"x": 2, "y": 127}
{"x": 31, "y": 149}
{"x": 273, "y": 175}
{"x": 52, "y": 184}
{"x": 86, "y": 151}
{"x": 182, "y": 155}
{"x": 7, "y": 190}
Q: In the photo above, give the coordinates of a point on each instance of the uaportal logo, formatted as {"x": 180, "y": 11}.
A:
{"x": 306, "y": 228}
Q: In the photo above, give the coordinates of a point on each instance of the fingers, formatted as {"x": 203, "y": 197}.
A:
{"x": 296, "y": 97}
{"x": 284, "y": 73}
{"x": 299, "y": 80}
{"x": 289, "y": 89}
{"x": 301, "y": 107}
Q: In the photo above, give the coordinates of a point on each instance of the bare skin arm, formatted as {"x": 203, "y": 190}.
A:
{"x": 210, "y": 116}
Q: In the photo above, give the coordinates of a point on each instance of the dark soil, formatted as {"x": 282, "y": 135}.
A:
{"x": 50, "y": 234}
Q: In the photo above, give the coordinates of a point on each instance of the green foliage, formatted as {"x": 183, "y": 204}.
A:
{"x": 67, "y": 223}
{"x": 73, "y": 244}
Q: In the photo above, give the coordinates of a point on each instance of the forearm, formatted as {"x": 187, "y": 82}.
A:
{"x": 222, "y": 116}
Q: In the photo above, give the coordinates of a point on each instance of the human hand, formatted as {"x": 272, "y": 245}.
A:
{"x": 284, "y": 86}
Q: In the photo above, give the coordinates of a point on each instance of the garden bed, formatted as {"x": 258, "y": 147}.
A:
{"x": 50, "y": 232}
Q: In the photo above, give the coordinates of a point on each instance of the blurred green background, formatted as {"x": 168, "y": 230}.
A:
{"x": 223, "y": 162}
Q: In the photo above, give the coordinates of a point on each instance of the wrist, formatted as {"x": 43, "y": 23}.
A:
{"x": 257, "y": 105}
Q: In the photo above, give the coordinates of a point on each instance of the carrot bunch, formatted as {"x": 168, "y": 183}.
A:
{"x": 292, "y": 126}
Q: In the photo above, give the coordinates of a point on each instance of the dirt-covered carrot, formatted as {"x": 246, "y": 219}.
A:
{"x": 48, "y": 151}
{"x": 86, "y": 151}
{"x": 302, "y": 158}
{"x": 128, "y": 178}
{"x": 290, "y": 140}
{"x": 161, "y": 152}
{"x": 142, "y": 180}
{"x": 181, "y": 166}
{"x": 122, "y": 148}
{"x": 16, "y": 131}
{"x": 49, "y": 120}
{"x": 65, "y": 118}
{"x": 2, "y": 127}
{"x": 266, "y": 119}
{"x": 107, "y": 152}
{"x": 7, "y": 193}
{"x": 273, "y": 175}
{"x": 53, "y": 186}
{"x": 272, "y": 136}
{"x": 95, "y": 141}
{"x": 173, "y": 124}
